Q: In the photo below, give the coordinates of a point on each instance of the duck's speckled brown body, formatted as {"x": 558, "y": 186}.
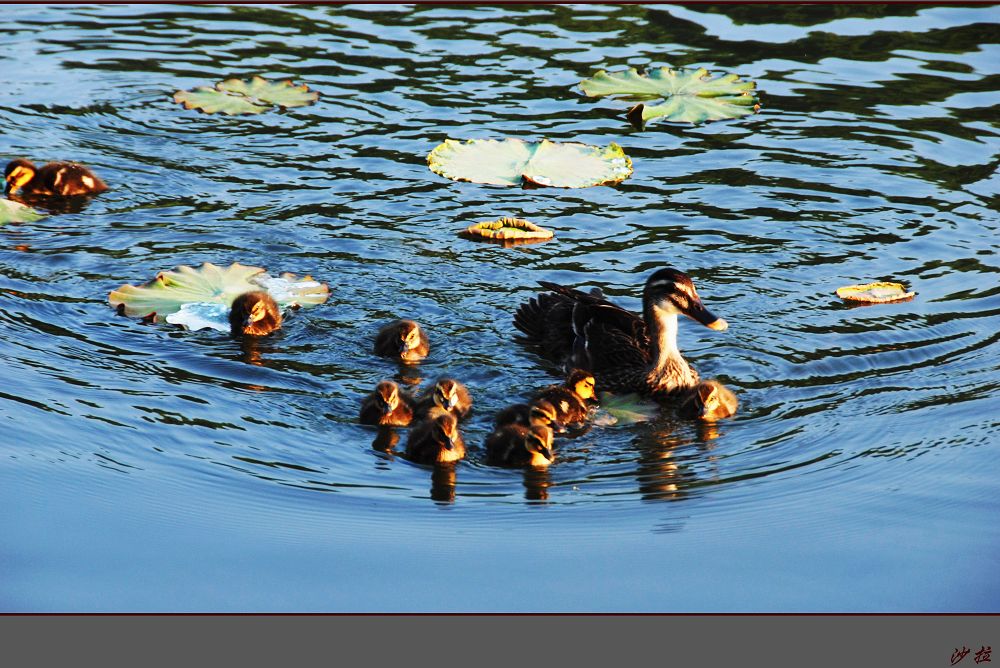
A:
{"x": 60, "y": 179}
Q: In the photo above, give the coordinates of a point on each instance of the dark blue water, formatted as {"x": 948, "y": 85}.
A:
{"x": 149, "y": 469}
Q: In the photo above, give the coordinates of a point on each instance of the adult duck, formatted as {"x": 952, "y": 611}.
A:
{"x": 625, "y": 352}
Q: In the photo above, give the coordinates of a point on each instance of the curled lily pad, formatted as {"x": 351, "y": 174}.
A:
{"x": 210, "y": 284}
{"x": 15, "y": 212}
{"x": 508, "y": 229}
{"x": 236, "y": 96}
{"x": 875, "y": 293}
{"x": 513, "y": 162}
{"x": 689, "y": 96}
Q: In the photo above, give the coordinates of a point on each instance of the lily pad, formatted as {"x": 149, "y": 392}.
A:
{"x": 15, "y": 212}
{"x": 624, "y": 409}
{"x": 505, "y": 229}
{"x": 236, "y": 96}
{"x": 513, "y": 162}
{"x": 689, "y": 96}
{"x": 210, "y": 284}
{"x": 875, "y": 293}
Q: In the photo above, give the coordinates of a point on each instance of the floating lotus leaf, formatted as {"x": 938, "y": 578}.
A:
{"x": 504, "y": 229}
{"x": 689, "y": 96}
{"x": 875, "y": 293}
{"x": 212, "y": 101}
{"x": 236, "y": 96}
{"x": 15, "y": 212}
{"x": 512, "y": 162}
{"x": 281, "y": 93}
{"x": 210, "y": 284}
{"x": 624, "y": 409}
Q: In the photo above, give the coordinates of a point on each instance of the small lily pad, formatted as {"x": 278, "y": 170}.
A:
{"x": 875, "y": 293}
{"x": 15, "y": 212}
{"x": 689, "y": 96}
{"x": 513, "y": 162}
{"x": 236, "y": 96}
{"x": 209, "y": 284}
{"x": 624, "y": 409}
{"x": 508, "y": 229}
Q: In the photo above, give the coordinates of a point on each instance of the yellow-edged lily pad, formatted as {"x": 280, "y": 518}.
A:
{"x": 508, "y": 229}
{"x": 875, "y": 293}
{"x": 237, "y": 96}
{"x": 513, "y": 162}
{"x": 211, "y": 284}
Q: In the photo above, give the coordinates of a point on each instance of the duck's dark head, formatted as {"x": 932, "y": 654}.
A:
{"x": 409, "y": 336}
{"x": 387, "y": 395}
{"x": 671, "y": 291}
{"x": 446, "y": 393}
{"x": 18, "y": 173}
{"x": 581, "y": 382}
{"x": 255, "y": 313}
{"x": 538, "y": 442}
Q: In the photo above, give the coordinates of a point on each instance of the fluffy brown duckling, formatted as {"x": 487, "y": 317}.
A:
{"x": 63, "y": 179}
{"x": 435, "y": 439}
{"x": 570, "y": 398}
{"x": 403, "y": 340}
{"x": 710, "y": 400}
{"x": 254, "y": 314}
{"x": 520, "y": 445}
{"x": 447, "y": 394}
{"x": 387, "y": 406}
{"x": 539, "y": 412}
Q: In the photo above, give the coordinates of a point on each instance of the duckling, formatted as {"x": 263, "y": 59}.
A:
{"x": 403, "y": 340}
{"x": 64, "y": 179}
{"x": 519, "y": 445}
{"x": 538, "y": 411}
{"x": 254, "y": 314}
{"x": 447, "y": 394}
{"x": 709, "y": 401}
{"x": 625, "y": 352}
{"x": 387, "y": 406}
{"x": 569, "y": 399}
{"x": 435, "y": 439}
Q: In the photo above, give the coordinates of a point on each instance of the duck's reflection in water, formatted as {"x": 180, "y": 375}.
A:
{"x": 536, "y": 483}
{"x": 409, "y": 375}
{"x": 386, "y": 439}
{"x": 443, "y": 483}
{"x": 666, "y": 453}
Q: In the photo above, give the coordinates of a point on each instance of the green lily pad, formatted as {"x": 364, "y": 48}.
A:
{"x": 689, "y": 96}
{"x": 170, "y": 290}
{"x": 212, "y": 101}
{"x": 625, "y": 409}
{"x": 513, "y": 162}
{"x": 236, "y": 96}
{"x": 280, "y": 93}
{"x": 15, "y": 212}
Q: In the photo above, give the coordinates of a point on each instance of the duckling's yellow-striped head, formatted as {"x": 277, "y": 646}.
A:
{"x": 17, "y": 174}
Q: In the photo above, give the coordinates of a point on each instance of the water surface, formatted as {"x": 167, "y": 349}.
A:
{"x": 150, "y": 469}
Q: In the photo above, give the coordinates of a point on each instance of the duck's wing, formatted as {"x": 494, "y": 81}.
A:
{"x": 569, "y": 323}
{"x": 608, "y": 338}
